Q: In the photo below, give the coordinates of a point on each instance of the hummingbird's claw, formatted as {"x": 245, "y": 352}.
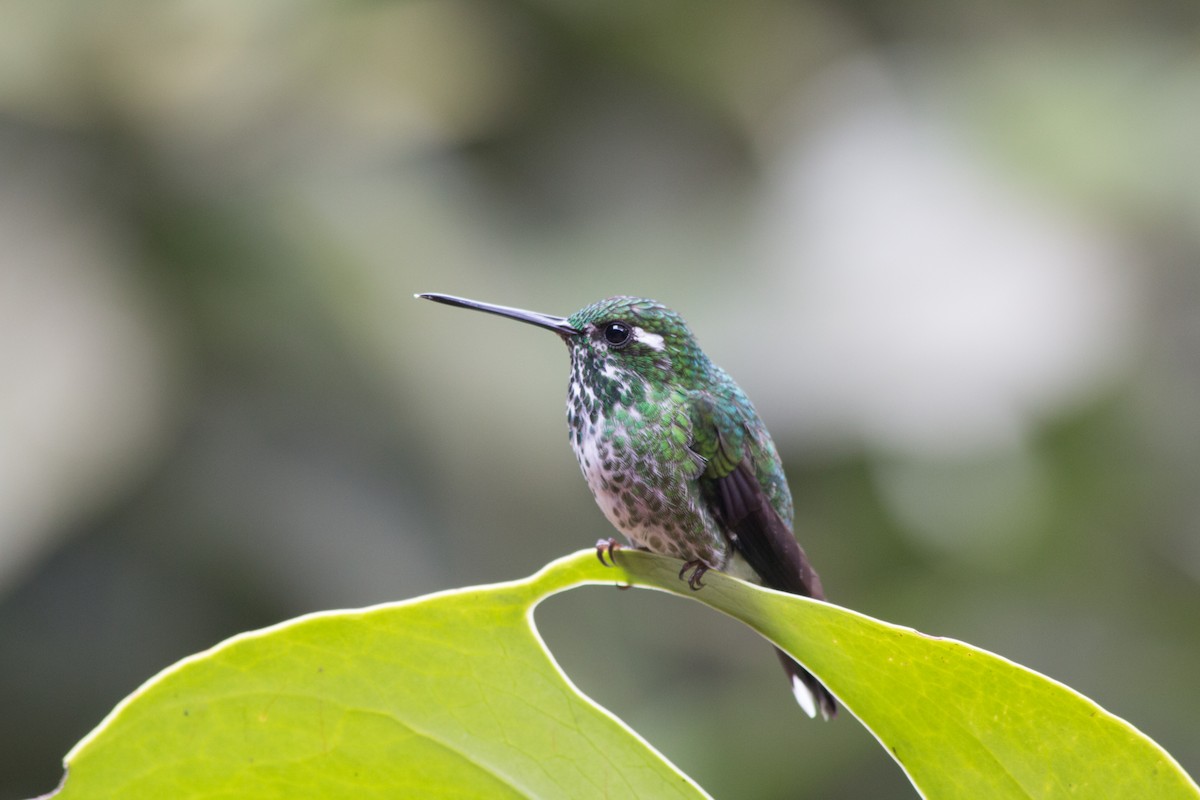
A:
{"x": 698, "y": 569}
{"x": 607, "y": 546}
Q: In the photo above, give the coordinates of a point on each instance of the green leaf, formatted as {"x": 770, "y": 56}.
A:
{"x": 450, "y": 695}
{"x": 960, "y": 721}
{"x": 454, "y": 695}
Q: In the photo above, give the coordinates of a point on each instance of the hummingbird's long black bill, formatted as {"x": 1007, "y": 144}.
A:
{"x": 557, "y": 324}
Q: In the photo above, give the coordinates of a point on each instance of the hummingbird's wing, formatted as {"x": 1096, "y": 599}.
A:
{"x": 754, "y": 527}
{"x": 739, "y": 501}
{"x": 761, "y": 536}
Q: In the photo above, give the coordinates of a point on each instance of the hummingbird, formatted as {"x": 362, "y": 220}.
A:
{"x": 675, "y": 454}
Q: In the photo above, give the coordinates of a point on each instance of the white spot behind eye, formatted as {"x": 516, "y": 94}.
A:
{"x": 652, "y": 340}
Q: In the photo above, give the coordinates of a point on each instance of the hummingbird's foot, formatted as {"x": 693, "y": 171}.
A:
{"x": 607, "y": 546}
{"x": 698, "y": 569}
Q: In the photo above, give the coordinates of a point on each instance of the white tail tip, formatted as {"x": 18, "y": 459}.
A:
{"x": 804, "y": 697}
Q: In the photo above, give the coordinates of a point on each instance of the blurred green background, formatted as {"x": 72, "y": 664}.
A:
{"x": 950, "y": 249}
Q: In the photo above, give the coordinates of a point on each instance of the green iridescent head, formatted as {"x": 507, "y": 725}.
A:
{"x": 634, "y": 333}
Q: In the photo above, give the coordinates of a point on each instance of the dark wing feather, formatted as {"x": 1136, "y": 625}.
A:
{"x": 762, "y": 537}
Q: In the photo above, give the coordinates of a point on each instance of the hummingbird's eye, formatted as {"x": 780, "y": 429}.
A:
{"x": 618, "y": 334}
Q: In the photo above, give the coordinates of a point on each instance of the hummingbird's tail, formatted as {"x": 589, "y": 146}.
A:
{"x": 810, "y": 693}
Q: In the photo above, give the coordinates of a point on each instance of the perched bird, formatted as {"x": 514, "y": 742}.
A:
{"x": 675, "y": 454}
